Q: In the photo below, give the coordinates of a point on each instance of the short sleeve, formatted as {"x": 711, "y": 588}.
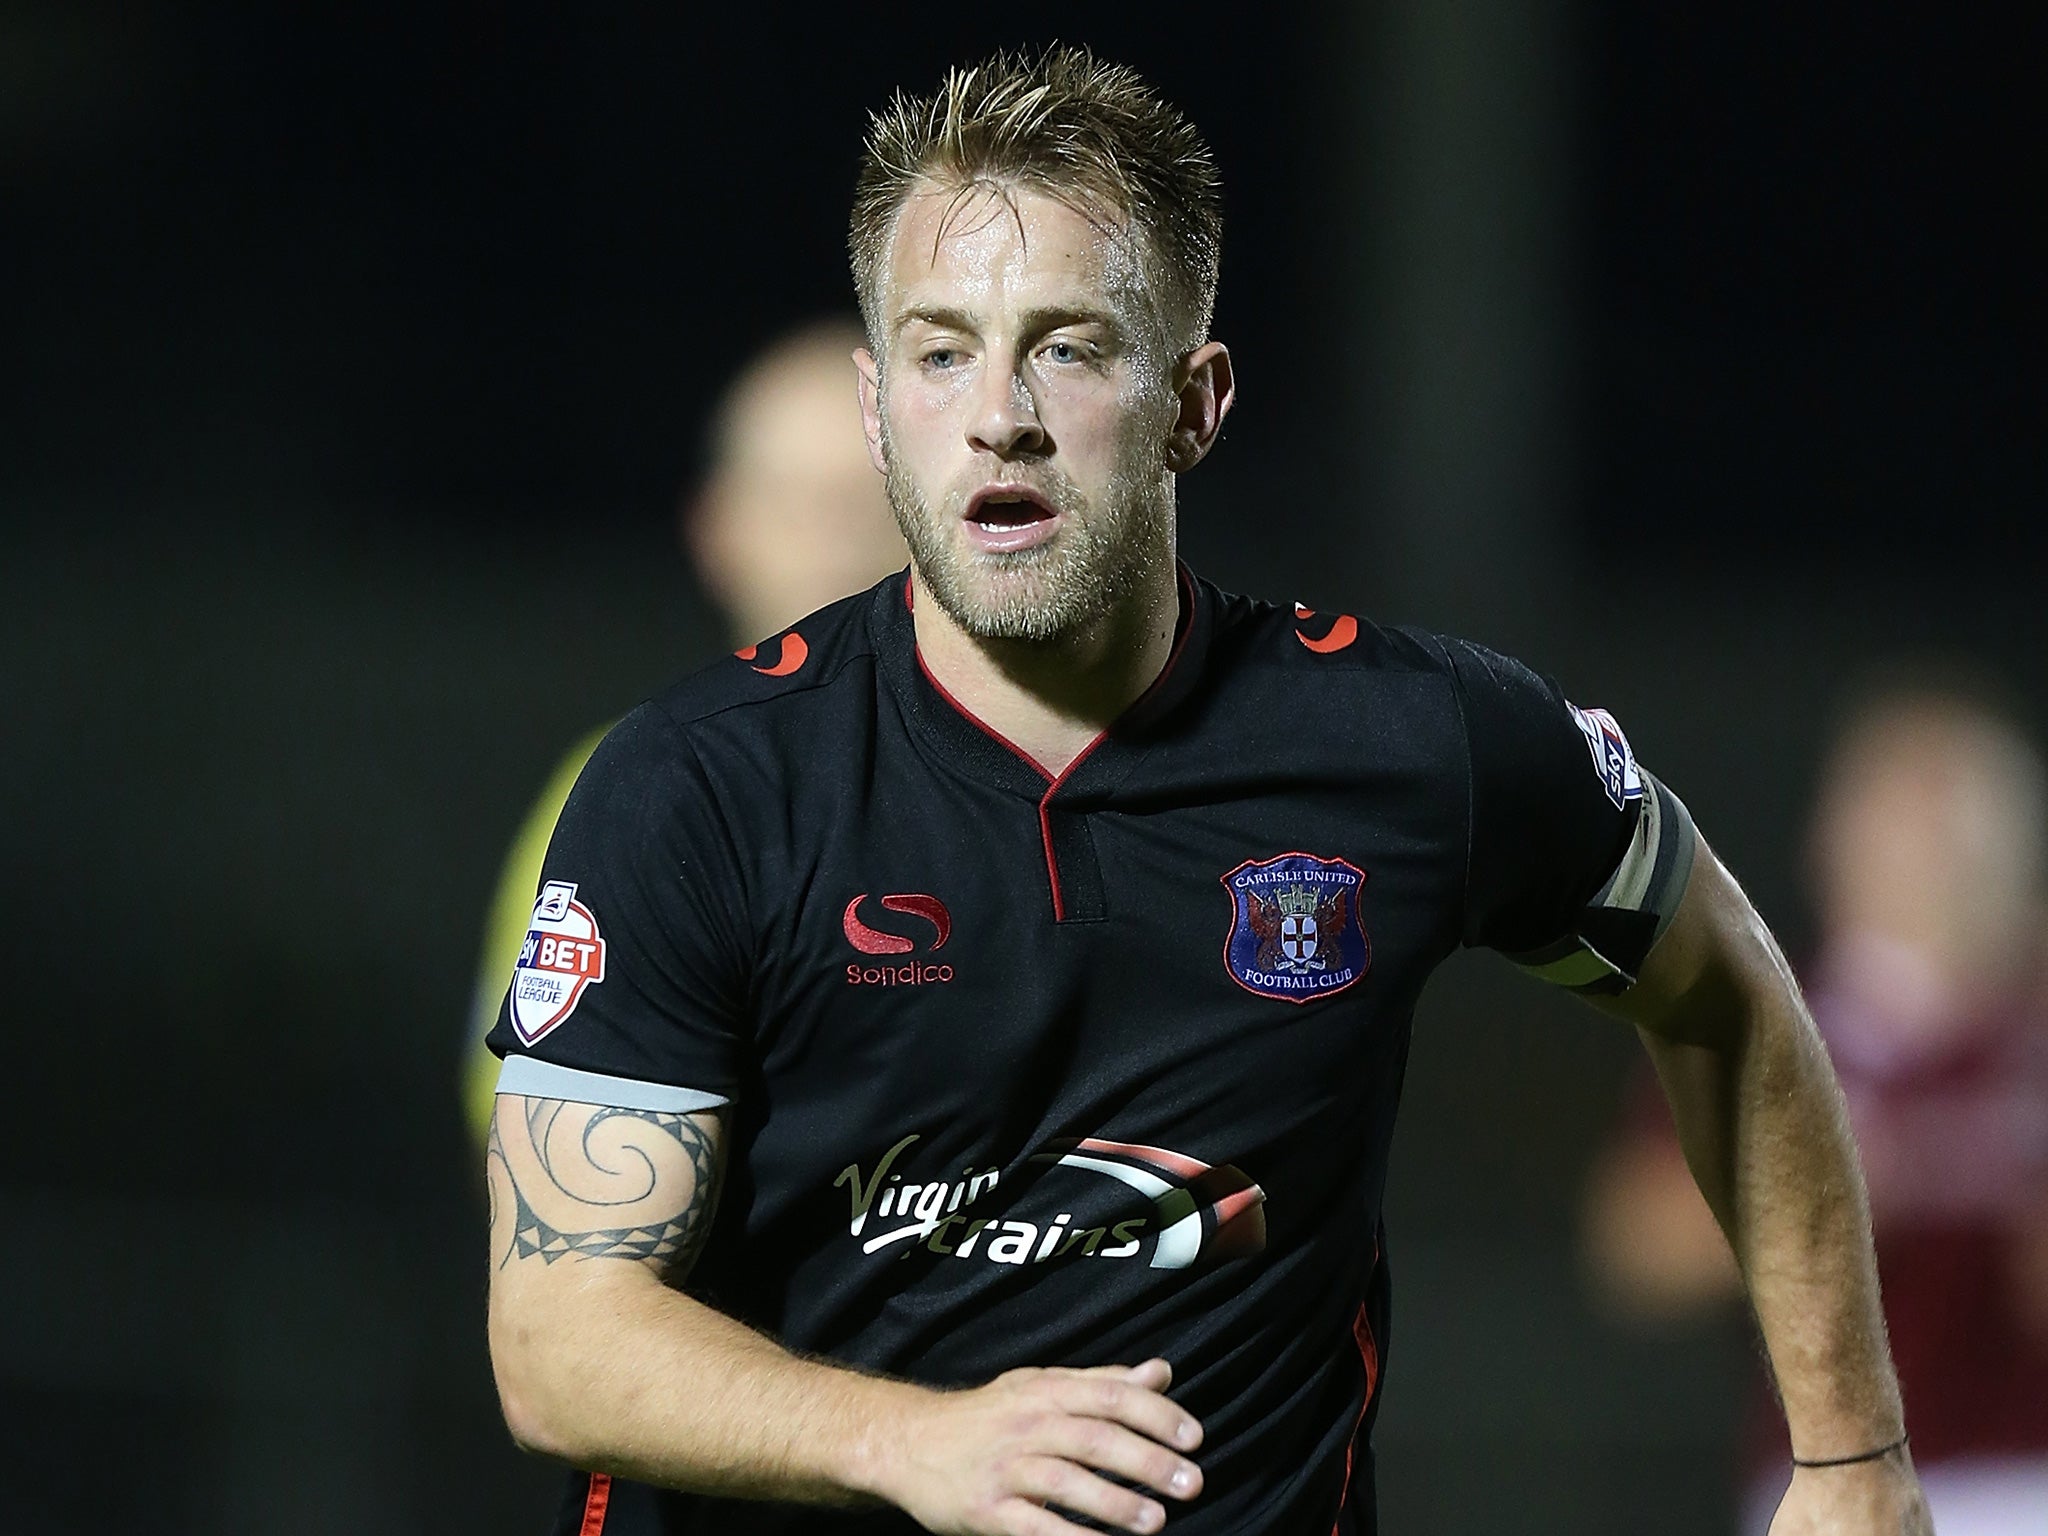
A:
{"x": 506, "y": 927}
{"x": 1577, "y": 858}
{"x": 631, "y": 980}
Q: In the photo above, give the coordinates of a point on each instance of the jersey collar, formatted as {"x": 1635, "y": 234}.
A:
{"x": 961, "y": 740}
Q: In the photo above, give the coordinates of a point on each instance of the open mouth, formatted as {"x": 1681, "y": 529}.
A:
{"x": 1009, "y": 519}
{"x": 1001, "y": 508}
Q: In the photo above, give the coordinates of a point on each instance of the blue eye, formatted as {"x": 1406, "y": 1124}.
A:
{"x": 940, "y": 357}
{"x": 1064, "y": 352}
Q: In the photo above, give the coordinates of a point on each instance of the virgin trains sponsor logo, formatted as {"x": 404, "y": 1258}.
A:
{"x": 876, "y": 941}
{"x": 1173, "y": 1211}
{"x": 1295, "y": 932}
{"x": 563, "y": 954}
{"x": 1612, "y": 759}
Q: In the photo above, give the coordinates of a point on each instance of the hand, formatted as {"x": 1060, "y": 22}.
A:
{"x": 988, "y": 1460}
{"x": 1865, "y": 1498}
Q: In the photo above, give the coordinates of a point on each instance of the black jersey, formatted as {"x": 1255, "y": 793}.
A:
{"x": 1077, "y": 1070}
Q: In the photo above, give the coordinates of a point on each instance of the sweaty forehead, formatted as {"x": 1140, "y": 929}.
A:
{"x": 987, "y": 249}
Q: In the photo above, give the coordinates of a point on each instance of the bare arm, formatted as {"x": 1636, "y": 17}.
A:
{"x": 596, "y": 1216}
{"x": 1766, "y": 1135}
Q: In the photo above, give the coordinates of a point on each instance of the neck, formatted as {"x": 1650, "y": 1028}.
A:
{"x": 1051, "y": 699}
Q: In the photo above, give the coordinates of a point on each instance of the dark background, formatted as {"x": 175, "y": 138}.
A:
{"x": 354, "y": 367}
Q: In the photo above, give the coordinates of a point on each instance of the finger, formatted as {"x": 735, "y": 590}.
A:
{"x": 1076, "y": 1488}
{"x": 1109, "y": 1447}
{"x": 1021, "y": 1517}
{"x": 1100, "y": 1396}
{"x": 1155, "y": 1374}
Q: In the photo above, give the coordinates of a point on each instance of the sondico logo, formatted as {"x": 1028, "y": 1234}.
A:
{"x": 873, "y": 941}
{"x": 1198, "y": 1212}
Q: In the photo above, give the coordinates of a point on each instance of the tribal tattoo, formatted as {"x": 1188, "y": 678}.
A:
{"x": 597, "y": 1182}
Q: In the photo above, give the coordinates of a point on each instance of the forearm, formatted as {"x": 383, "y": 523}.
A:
{"x": 602, "y": 1363}
{"x": 656, "y": 1386}
{"x": 1767, "y": 1136}
{"x": 596, "y": 1214}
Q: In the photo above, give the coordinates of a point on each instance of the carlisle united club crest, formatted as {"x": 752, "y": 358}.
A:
{"x": 1294, "y": 926}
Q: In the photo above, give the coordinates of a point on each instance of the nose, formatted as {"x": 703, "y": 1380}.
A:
{"x": 1005, "y": 421}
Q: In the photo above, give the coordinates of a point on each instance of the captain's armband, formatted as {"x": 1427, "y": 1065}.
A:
{"x": 1627, "y": 916}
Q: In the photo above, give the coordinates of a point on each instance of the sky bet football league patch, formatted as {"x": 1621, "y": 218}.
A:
{"x": 562, "y": 955}
{"x": 1612, "y": 759}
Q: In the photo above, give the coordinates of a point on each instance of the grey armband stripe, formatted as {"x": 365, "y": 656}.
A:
{"x": 1652, "y": 874}
{"x": 536, "y": 1079}
{"x": 1649, "y": 880}
{"x": 1578, "y": 966}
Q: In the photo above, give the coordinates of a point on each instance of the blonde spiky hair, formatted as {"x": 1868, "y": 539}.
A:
{"x": 1077, "y": 128}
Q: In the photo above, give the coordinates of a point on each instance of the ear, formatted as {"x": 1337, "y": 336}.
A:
{"x": 1205, "y": 391}
{"x": 871, "y": 406}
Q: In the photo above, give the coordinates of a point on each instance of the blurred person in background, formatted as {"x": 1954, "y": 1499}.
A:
{"x": 1929, "y": 985}
{"x": 789, "y": 517}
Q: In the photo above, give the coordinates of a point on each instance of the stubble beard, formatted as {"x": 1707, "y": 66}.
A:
{"x": 1102, "y": 555}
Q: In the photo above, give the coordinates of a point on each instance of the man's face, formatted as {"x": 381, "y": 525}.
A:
{"x": 1024, "y": 400}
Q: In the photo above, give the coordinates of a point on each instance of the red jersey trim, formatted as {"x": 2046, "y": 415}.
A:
{"x": 984, "y": 727}
{"x": 1054, "y": 781}
{"x": 595, "y": 1503}
{"x": 1052, "y": 864}
{"x": 1369, "y": 1355}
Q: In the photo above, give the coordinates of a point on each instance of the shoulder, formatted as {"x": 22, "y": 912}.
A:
{"x": 1256, "y": 632}
{"x": 828, "y": 650}
{"x": 765, "y": 702}
{"x": 1413, "y": 691}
